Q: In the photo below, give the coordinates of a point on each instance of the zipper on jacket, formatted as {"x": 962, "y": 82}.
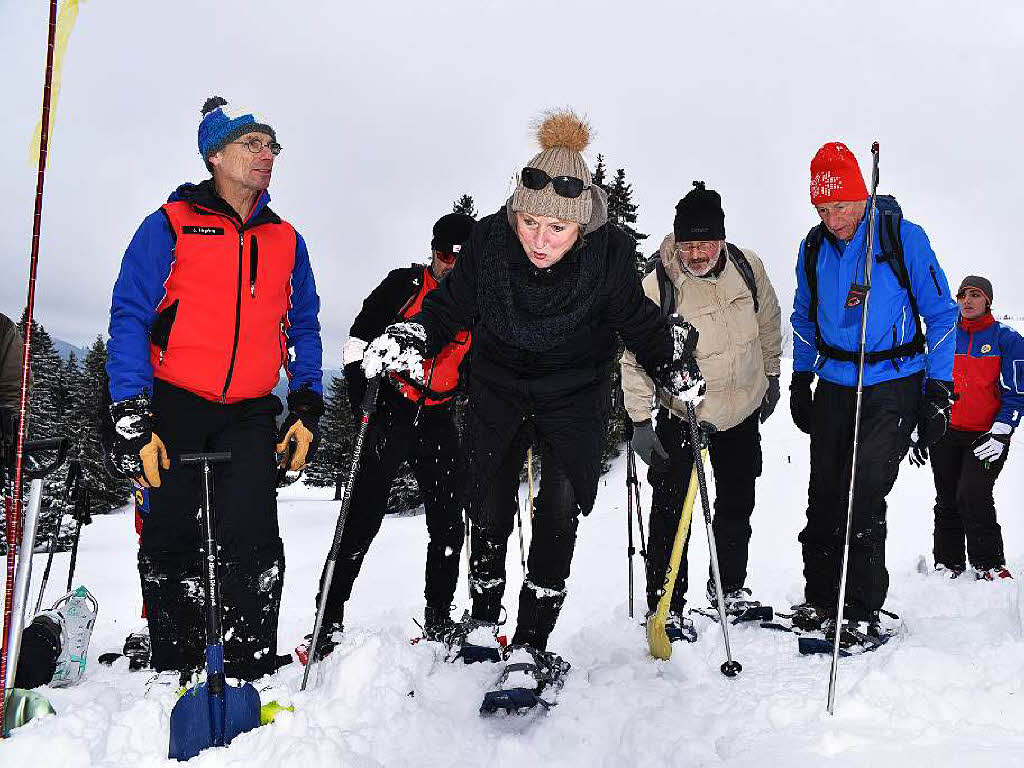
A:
{"x": 931, "y": 268}
{"x": 238, "y": 317}
{"x": 254, "y": 258}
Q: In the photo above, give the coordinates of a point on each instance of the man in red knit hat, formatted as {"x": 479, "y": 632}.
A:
{"x": 907, "y": 382}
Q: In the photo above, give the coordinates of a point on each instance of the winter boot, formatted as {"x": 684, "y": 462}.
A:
{"x": 41, "y": 643}
{"x": 680, "y": 628}
{"x": 538, "y": 611}
{"x": 437, "y": 623}
{"x": 77, "y": 611}
{"x": 472, "y": 640}
{"x": 172, "y": 591}
{"x": 949, "y": 571}
{"x": 251, "y": 594}
{"x": 737, "y": 601}
{"x": 138, "y": 650}
{"x": 865, "y": 634}
{"x": 330, "y": 636}
{"x": 809, "y": 617}
{"x": 993, "y": 574}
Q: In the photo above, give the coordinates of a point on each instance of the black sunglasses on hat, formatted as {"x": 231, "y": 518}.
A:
{"x": 565, "y": 186}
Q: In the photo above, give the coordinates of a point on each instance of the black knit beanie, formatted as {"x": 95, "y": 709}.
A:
{"x": 699, "y": 215}
{"x": 451, "y": 230}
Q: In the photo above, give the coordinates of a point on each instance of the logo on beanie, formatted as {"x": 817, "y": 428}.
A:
{"x": 824, "y": 183}
{"x": 456, "y": 248}
{"x": 986, "y": 349}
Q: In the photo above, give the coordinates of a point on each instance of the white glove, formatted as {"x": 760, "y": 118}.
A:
{"x": 991, "y": 445}
{"x": 400, "y": 348}
{"x": 681, "y": 378}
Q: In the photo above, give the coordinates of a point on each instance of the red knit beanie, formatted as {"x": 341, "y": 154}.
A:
{"x": 835, "y": 175}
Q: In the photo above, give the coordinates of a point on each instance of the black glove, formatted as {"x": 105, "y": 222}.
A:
{"x": 800, "y": 400}
{"x": 648, "y": 447}
{"x": 771, "y": 398}
{"x": 918, "y": 455}
{"x": 936, "y": 409}
{"x": 133, "y": 431}
{"x": 306, "y": 406}
{"x": 355, "y": 386}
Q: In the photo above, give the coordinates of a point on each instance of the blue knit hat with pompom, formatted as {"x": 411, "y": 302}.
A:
{"x": 223, "y": 123}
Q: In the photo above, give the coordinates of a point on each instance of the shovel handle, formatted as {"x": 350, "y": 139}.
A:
{"x": 218, "y": 457}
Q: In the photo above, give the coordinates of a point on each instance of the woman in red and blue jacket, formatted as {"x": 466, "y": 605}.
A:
{"x": 988, "y": 374}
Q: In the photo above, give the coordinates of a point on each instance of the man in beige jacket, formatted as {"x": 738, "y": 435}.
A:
{"x": 725, "y": 293}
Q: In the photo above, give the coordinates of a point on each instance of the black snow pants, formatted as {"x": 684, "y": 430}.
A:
{"x": 556, "y": 516}
{"x": 736, "y": 462}
{"x": 888, "y": 416}
{"x": 432, "y": 449}
{"x": 251, "y": 552}
{"x": 964, "y": 506}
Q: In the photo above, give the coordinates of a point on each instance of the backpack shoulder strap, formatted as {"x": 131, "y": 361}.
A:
{"x": 666, "y": 289}
{"x": 746, "y": 271}
{"x": 812, "y": 244}
{"x": 891, "y": 241}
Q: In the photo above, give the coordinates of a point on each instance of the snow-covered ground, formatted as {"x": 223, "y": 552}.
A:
{"x": 950, "y": 692}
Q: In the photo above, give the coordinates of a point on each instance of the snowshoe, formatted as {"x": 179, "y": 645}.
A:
{"x": 330, "y": 637}
{"x": 530, "y": 678}
{"x": 993, "y": 574}
{"x": 76, "y": 615}
{"x": 680, "y": 628}
{"x": 473, "y": 640}
{"x": 855, "y": 637}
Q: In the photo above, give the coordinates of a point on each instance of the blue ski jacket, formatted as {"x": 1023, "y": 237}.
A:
{"x": 240, "y": 315}
{"x": 891, "y": 321}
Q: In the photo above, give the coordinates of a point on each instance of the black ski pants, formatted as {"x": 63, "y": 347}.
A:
{"x": 555, "y": 519}
{"x": 432, "y": 449}
{"x": 964, "y": 507}
{"x": 888, "y": 416}
{"x": 251, "y": 553}
{"x": 736, "y": 461}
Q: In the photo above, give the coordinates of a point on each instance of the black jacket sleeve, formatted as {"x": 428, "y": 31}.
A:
{"x": 639, "y": 320}
{"x": 452, "y": 306}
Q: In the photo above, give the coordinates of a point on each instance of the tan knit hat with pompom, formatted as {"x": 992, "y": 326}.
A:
{"x": 562, "y": 135}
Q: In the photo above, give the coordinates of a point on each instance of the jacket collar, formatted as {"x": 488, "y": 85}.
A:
{"x": 978, "y": 323}
{"x": 204, "y": 195}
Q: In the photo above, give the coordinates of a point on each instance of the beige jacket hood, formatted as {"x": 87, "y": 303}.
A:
{"x": 736, "y": 351}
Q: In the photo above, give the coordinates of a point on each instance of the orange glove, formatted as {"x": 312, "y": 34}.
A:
{"x": 303, "y": 439}
{"x": 154, "y": 458}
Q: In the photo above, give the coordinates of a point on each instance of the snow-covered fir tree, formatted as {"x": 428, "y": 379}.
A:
{"x": 106, "y": 492}
{"x": 465, "y": 205}
{"x": 337, "y": 428}
{"x": 622, "y": 212}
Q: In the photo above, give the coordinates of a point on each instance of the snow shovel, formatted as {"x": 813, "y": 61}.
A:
{"x": 212, "y": 713}
{"x": 657, "y": 639}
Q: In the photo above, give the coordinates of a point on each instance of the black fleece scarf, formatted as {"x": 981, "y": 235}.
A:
{"x": 531, "y": 308}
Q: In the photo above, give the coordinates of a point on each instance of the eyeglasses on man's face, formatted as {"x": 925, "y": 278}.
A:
{"x": 706, "y": 247}
{"x": 256, "y": 146}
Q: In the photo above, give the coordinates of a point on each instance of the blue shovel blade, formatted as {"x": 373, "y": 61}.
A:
{"x": 200, "y": 719}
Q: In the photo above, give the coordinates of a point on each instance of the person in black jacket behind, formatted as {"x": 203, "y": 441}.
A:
{"x": 545, "y": 284}
{"x": 414, "y": 423}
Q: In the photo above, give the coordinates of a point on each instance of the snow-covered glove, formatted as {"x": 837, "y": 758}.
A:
{"x": 137, "y": 451}
{"x": 918, "y": 455}
{"x": 648, "y": 447}
{"x": 992, "y": 444}
{"x": 800, "y": 400}
{"x": 771, "y": 398}
{"x": 401, "y": 348}
{"x": 305, "y": 407}
{"x": 680, "y": 377}
{"x": 936, "y": 409}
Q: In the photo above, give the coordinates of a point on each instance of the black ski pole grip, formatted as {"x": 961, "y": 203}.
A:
{"x": 369, "y": 404}
{"x": 874, "y": 165}
{"x": 218, "y": 457}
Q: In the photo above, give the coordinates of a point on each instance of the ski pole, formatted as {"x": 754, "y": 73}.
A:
{"x": 369, "y": 407}
{"x": 82, "y": 506}
{"x": 529, "y": 478}
{"x": 834, "y": 670}
{"x": 629, "y": 530}
{"x": 14, "y": 510}
{"x": 469, "y": 580}
{"x": 519, "y": 522}
{"x": 631, "y": 461}
{"x": 730, "y": 668}
{"x": 70, "y": 483}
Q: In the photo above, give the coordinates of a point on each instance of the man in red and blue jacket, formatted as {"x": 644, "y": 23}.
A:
{"x": 988, "y": 373}
{"x": 215, "y": 290}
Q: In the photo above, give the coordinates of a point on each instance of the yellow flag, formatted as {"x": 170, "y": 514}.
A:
{"x": 66, "y": 19}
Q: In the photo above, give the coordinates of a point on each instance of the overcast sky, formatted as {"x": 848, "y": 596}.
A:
{"x": 389, "y": 111}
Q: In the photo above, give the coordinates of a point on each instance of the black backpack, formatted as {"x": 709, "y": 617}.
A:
{"x": 890, "y": 217}
{"x": 668, "y": 291}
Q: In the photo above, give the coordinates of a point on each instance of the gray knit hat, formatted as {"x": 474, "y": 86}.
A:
{"x": 562, "y": 136}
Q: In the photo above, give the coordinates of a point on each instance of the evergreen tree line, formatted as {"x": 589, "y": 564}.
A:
{"x": 338, "y": 426}
{"x": 66, "y": 400}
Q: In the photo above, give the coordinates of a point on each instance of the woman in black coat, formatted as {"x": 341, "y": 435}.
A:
{"x": 545, "y": 284}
